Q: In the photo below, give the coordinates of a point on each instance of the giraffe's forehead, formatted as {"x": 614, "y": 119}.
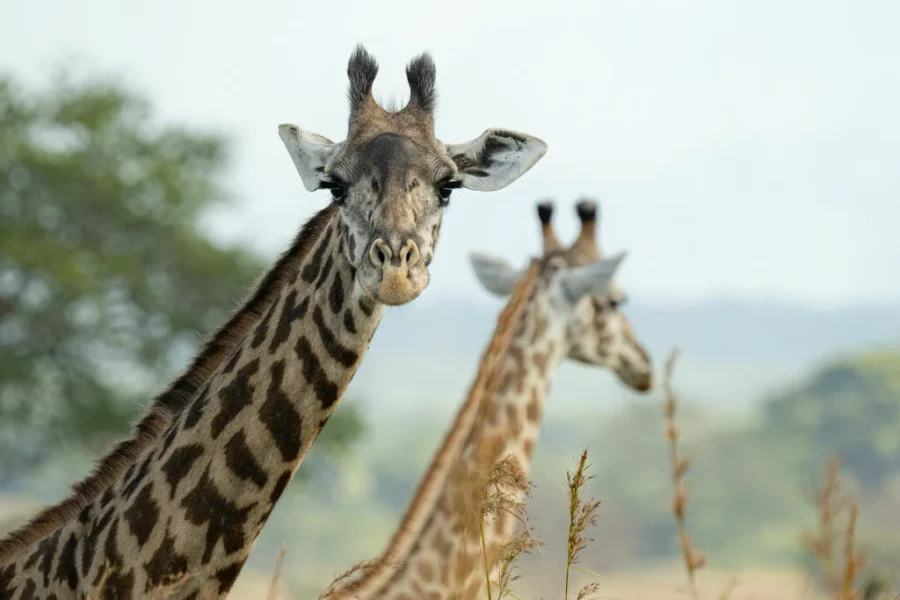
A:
{"x": 392, "y": 156}
{"x": 554, "y": 261}
{"x": 577, "y": 257}
{"x": 562, "y": 258}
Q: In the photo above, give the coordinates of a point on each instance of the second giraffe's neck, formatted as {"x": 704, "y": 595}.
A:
{"x": 445, "y": 557}
{"x": 196, "y": 500}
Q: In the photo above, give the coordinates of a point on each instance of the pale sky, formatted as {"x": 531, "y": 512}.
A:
{"x": 743, "y": 149}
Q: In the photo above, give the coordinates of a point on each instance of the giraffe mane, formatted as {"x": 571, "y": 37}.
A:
{"x": 439, "y": 471}
{"x": 175, "y": 398}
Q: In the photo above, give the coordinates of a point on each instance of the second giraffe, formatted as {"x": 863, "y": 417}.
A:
{"x": 438, "y": 551}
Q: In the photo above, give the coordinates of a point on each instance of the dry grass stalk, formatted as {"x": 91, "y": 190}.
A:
{"x": 347, "y": 582}
{"x": 828, "y": 499}
{"x": 588, "y": 590}
{"x": 509, "y": 489}
{"x": 497, "y": 493}
{"x": 276, "y": 574}
{"x": 523, "y": 543}
{"x": 503, "y": 495}
{"x": 582, "y": 514}
{"x": 853, "y": 560}
{"x": 679, "y": 465}
{"x": 831, "y": 501}
{"x": 732, "y": 584}
{"x": 506, "y": 484}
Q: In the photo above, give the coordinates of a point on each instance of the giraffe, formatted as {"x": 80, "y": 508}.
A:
{"x": 436, "y": 552}
{"x": 186, "y": 497}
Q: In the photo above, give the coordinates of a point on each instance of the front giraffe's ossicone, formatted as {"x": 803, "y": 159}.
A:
{"x": 392, "y": 178}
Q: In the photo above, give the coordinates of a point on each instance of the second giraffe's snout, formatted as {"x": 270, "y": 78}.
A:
{"x": 645, "y": 384}
{"x": 635, "y": 368}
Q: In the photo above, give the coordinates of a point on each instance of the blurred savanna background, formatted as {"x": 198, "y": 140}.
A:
{"x": 744, "y": 153}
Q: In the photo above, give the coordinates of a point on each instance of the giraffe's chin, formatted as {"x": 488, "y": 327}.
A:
{"x": 391, "y": 283}
{"x": 639, "y": 382}
{"x": 396, "y": 287}
{"x": 396, "y": 290}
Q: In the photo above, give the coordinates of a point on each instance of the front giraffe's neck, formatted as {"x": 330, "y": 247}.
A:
{"x": 165, "y": 407}
{"x": 435, "y": 553}
{"x": 195, "y": 500}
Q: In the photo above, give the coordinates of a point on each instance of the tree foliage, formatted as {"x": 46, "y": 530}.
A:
{"x": 107, "y": 277}
{"x": 850, "y": 408}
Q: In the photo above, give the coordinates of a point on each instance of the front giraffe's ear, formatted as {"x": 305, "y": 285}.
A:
{"x": 494, "y": 273}
{"x": 495, "y": 159}
{"x": 309, "y": 151}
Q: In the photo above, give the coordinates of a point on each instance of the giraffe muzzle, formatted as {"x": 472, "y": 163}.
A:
{"x": 640, "y": 380}
{"x": 644, "y": 384}
{"x": 400, "y": 273}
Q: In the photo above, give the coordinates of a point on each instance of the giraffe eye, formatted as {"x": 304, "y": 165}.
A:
{"x": 617, "y": 302}
{"x": 446, "y": 188}
{"x": 338, "y": 189}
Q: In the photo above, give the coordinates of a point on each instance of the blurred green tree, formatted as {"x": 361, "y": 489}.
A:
{"x": 106, "y": 273}
{"x": 850, "y": 408}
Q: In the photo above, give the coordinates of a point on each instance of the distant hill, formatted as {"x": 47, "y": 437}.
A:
{"x": 423, "y": 356}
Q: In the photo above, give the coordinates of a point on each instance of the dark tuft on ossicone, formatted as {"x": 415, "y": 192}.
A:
{"x": 545, "y": 211}
{"x": 421, "y": 75}
{"x": 361, "y": 70}
{"x": 587, "y": 210}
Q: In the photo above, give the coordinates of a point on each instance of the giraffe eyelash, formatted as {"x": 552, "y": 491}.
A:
{"x": 338, "y": 189}
{"x": 617, "y": 302}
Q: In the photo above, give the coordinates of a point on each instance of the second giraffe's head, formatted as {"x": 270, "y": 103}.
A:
{"x": 577, "y": 299}
{"x": 391, "y": 178}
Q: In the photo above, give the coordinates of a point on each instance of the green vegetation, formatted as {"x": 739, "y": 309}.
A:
{"x": 107, "y": 277}
{"x": 850, "y": 408}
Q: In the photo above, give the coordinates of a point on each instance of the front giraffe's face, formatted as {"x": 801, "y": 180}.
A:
{"x": 392, "y": 178}
{"x": 577, "y": 292}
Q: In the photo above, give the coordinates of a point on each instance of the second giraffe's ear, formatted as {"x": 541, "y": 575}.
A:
{"x": 495, "y": 159}
{"x": 494, "y": 273}
{"x": 309, "y": 152}
{"x": 590, "y": 279}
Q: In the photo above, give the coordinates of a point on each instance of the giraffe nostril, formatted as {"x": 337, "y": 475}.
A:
{"x": 380, "y": 253}
{"x": 410, "y": 253}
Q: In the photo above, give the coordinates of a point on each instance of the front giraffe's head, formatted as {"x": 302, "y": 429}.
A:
{"x": 581, "y": 302}
{"x": 391, "y": 178}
